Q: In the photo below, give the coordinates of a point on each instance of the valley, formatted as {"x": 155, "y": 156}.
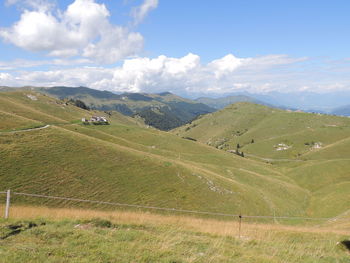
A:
{"x": 128, "y": 161}
{"x": 294, "y": 174}
{"x": 163, "y": 111}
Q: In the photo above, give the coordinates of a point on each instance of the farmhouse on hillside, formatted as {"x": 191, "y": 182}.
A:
{"x": 96, "y": 120}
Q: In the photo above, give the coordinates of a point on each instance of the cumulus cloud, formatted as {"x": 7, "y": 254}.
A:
{"x": 5, "y": 77}
{"x": 140, "y": 12}
{"x": 184, "y": 75}
{"x": 83, "y": 29}
{"x": 225, "y": 65}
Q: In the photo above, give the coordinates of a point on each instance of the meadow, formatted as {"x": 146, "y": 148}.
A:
{"x": 132, "y": 163}
{"x": 73, "y": 235}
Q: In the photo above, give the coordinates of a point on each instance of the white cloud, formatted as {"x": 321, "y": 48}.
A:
{"x": 225, "y": 65}
{"x": 179, "y": 75}
{"x": 83, "y": 29}
{"x": 140, "y": 12}
{"x": 4, "y": 77}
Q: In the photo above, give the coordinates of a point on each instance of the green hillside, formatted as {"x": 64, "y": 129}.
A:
{"x": 311, "y": 149}
{"x": 269, "y": 132}
{"x": 126, "y": 162}
{"x": 164, "y": 111}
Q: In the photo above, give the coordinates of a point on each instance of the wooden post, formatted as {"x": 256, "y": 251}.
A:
{"x": 239, "y": 226}
{"x": 7, "y": 208}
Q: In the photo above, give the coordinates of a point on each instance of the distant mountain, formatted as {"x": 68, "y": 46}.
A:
{"x": 164, "y": 111}
{"x": 305, "y": 100}
{"x": 220, "y": 103}
{"x": 5, "y": 89}
{"x": 299, "y": 100}
{"x": 344, "y": 111}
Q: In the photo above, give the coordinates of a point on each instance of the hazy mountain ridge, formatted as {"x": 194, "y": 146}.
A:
{"x": 305, "y": 100}
{"x": 219, "y": 103}
{"x": 344, "y": 110}
{"x": 299, "y": 100}
{"x": 332, "y": 102}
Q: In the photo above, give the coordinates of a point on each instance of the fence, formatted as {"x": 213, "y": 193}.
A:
{"x": 238, "y": 216}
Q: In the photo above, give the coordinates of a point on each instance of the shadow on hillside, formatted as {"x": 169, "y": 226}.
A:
{"x": 18, "y": 228}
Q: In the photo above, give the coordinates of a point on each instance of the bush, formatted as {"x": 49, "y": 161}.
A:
{"x": 80, "y": 104}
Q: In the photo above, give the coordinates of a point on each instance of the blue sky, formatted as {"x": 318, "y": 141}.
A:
{"x": 249, "y": 28}
{"x": 209, "y": 47}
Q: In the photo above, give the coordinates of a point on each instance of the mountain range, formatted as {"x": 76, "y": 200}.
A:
{"x": 163, "y": 111}
{"x": 299, "y": 100}
{"x": 220, "y": 103}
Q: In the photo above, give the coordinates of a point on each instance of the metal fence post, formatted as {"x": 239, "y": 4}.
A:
{"x": 239, "y": 226}
{"x": 7, "y": 208}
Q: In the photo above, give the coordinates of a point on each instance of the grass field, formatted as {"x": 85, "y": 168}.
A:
{"x": 72, "y": 235}
{"x": 128, "y": 162}
{"x": 311, "y": 149}
{"x": 259, "y": 129}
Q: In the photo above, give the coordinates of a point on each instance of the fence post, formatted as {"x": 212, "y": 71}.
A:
{"x": 239, "y": 225}
{"x": 7, "y": 208}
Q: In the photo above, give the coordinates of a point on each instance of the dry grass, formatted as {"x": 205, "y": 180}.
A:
{"x": 149, "y": 237}
{"x": 250, "y": 230}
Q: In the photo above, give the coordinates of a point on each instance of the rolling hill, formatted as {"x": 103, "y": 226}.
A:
{"x": 164, "y": 111}
{"x": 126, "y": 162}
{"x": 311, "y": 149}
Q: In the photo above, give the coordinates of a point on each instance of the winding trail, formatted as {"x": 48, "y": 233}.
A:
{"x": 29, "y": 129}
{"x": 271, "y": 159}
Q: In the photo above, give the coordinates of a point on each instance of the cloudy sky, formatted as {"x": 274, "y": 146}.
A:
{"x": 187, "y": 47}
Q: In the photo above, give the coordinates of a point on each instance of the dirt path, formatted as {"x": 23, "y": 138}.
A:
{"x": 29, "y": 129}
{"x": 272, "y": 160}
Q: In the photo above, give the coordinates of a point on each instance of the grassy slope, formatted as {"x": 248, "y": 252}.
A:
{"x": 324, "y": 172}
{"x": 242, "y": 122}
{"x": 127, "y": 163}
{"x": 140, "y": 237}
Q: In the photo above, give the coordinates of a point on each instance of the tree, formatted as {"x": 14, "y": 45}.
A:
{"x": 80, "y": 104}
{"x": 252, "y": 141}
{"x": 238, "y": 146}
{"x": 242, "y": 154}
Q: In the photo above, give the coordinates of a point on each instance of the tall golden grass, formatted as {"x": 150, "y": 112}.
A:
{"x": 249, "y": 230}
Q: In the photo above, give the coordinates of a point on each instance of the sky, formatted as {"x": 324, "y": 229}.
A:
{"x": 187, "y": 47}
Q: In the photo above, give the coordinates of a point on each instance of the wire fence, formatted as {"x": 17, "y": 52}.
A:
{"x": 240, "y": 216}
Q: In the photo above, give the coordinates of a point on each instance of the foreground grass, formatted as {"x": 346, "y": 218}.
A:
{"x": 145, "y": 237}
